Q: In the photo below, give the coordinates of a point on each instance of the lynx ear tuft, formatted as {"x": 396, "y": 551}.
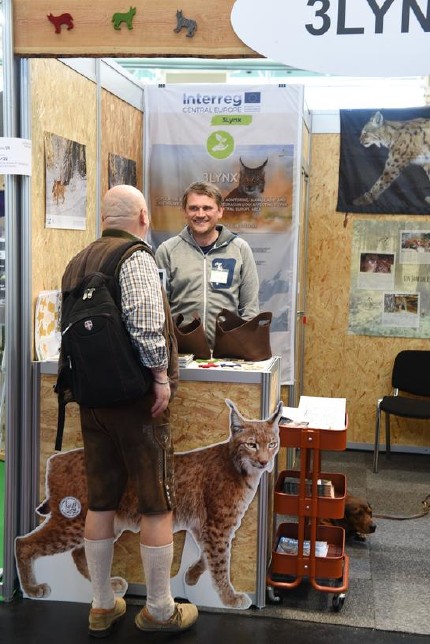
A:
{"x": 233, "y": 409}
{"x": 236, "y": 418}
{"x": 230, "y": 404}
{"x": 279, "y": 407}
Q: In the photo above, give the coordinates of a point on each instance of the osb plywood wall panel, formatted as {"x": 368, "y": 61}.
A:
{"x": 57, "y": 92}
{"x": 337, "y": 364}
{"x": 122, "y": 131}
{"x": 152, "y": 33}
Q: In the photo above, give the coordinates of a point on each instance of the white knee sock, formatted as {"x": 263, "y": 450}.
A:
{"x": 99, "y": 555}
{"x": 157, "y": 562}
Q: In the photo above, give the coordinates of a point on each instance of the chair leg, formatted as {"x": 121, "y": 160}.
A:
{"x": 387, "y": 436}
{"x": 377, "y": 432}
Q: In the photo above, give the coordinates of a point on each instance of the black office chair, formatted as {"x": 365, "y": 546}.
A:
{"x": 411, "y": 375}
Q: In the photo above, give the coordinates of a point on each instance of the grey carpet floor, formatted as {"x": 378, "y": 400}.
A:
{"x": 389, "y": 577}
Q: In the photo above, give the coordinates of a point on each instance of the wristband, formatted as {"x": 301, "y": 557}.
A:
{"x": 160, "y": 382}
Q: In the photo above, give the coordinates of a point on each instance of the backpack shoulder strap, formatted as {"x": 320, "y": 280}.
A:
{"x": 60, "y": 421}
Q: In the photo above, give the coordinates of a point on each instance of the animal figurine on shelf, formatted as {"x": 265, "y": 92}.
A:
{"x": 185, "y": 23}
{"x": 119, "y": 18}
{"x": 63, "y": 19}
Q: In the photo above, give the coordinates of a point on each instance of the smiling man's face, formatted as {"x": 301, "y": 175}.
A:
{"x": 202, "y": 215}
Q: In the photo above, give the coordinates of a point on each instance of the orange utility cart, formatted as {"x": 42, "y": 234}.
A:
{"x": 302, "y": 494}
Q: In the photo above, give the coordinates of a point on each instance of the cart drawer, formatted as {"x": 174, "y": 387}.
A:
{"x": 293, "y": 565}
{"x": 309, "y": 438}
{"x": 325, "y": 507}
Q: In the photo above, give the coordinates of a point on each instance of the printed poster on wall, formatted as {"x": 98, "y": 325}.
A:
{"x": 384, "y": 165}
{"x": 66, "y": 183}
{"x": 246, "y": 141}
{"x": 390, "y": 279}
{"x": 121, "y": 170}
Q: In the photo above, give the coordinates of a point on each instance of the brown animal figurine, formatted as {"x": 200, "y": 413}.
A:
{"x": 58, "y": 21}
{"x": 357, "y": 520}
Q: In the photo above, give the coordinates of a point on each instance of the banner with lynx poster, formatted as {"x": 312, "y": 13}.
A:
{"x": 247, "y": 142}
{"x": 384, "y": 161}
{"x": 390, "y": 279}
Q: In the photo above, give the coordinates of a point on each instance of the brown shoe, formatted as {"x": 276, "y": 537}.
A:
{"x": 183, "y": 617}
{"x": 103, "y": 619}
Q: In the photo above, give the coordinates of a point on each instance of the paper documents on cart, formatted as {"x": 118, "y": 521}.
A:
{"x": 317, "y": 412}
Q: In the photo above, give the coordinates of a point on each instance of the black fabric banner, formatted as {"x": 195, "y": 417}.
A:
{"x": 385, "y": 161}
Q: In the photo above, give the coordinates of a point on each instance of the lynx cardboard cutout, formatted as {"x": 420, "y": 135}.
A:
{"x": 214, "y": 488}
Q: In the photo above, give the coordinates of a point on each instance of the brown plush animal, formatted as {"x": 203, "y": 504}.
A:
{"x": 357, "y": 520}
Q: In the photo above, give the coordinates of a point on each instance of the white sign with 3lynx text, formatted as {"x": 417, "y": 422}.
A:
{"x": 344, "y": 37}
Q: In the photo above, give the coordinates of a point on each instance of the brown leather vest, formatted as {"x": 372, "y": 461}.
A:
{"x": 91, "y": 259}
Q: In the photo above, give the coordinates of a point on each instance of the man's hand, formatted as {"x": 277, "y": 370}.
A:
{"x": 162, "y": 397}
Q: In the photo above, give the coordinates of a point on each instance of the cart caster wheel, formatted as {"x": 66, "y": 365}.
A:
{"x": 273, "y": 596}
{"x": 337, "y": 602}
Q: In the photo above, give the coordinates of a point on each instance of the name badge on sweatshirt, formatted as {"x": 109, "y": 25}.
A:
{"x": 222, "y": 272}
{"x": 219, "y": 276}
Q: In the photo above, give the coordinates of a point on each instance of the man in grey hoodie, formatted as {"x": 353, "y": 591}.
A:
{"x": 207, "y": 266}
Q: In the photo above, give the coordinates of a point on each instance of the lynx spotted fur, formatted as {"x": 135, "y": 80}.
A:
{"x": 214, "y": 487}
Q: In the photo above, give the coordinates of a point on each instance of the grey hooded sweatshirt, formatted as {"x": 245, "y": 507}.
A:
{"x": 224, "y": 277}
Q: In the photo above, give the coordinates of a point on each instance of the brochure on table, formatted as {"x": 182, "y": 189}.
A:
{"x": 317, "y": 412}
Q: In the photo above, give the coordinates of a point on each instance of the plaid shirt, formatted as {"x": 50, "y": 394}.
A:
{"x": 142, "y": 308}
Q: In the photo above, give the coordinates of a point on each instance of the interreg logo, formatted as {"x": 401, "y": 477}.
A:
{"x": 237, "y": 103}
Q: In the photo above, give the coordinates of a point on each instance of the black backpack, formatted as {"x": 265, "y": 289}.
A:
{"x": 98, "y": 366}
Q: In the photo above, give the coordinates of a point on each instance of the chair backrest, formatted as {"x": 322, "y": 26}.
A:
{"x": 411, "y": 372}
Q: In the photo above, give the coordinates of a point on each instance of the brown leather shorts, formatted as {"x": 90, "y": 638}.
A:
{"x": 125, "y": 444}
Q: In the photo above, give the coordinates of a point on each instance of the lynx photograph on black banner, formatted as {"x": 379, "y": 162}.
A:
{"x": 385, "y": 161}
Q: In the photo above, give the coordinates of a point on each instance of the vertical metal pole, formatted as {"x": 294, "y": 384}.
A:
{"x": 29, "y": 475}
{"x": 264, "y": 522}
{"x": 12, "y": 313}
